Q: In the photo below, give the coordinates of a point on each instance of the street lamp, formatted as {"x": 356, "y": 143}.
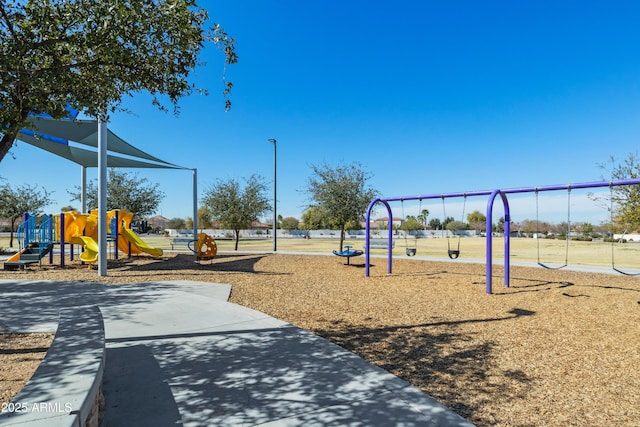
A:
{"x": 275, "y": 216}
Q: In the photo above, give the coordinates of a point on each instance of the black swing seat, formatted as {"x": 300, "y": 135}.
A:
{"x": 410, "y": 251}
{"x": 548, "y": 267}
{"x": 453, "y": 253}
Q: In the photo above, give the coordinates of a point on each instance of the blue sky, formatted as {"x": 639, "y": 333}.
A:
{"x": 430, "y": 97}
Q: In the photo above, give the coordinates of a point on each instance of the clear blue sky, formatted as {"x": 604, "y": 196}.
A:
{"x": 430, "y": 97}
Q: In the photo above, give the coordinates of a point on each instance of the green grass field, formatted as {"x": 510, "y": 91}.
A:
{"x": 552, "y": 252}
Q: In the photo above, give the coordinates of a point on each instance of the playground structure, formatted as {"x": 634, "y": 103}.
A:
{"x": 34, "y": 242}
{"x": 492, "y": 194}
{"x": 205, "y": 249}
{"x": 74, "y": 228}
{"x": 348, "y": 253}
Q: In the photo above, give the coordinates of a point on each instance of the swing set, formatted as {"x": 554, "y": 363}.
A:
{"x": 454, "y": 251}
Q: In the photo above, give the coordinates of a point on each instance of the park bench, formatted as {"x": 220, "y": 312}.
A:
{"x": 180, "y": 241}
{"x": 381, "y": 244}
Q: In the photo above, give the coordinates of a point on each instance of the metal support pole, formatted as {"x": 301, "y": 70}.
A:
{"x": 62, "y": 238}
{"x": 102, "y": 196}
{"x": 195, "y": 206}
{"x": 275, "y": 198}
{"x": 83, "y": 190}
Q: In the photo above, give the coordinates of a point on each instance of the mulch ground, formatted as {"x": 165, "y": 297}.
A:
{"x": 20, "y": 355}
{"x": 558, "y": 348}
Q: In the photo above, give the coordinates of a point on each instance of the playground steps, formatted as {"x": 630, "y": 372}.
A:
{"x": 31, "y": 254}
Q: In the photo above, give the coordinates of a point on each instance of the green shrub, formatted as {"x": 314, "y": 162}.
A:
{"x": 582, "y": 239}
{"x": 610, "y": 239}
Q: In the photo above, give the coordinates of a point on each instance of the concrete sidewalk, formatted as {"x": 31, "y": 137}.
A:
{"x": 179, "y": 354}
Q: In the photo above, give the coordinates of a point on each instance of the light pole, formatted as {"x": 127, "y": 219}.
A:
{"x": 275, "y": 215}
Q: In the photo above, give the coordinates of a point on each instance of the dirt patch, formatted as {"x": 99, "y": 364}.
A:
{"x": 557, "y": 348}
{"x": 20, "y": 355}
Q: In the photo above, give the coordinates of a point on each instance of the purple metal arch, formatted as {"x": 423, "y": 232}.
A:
{"x": 368, "y": 236}
{"x": 386, "y": 201}
{"x": 489, "y": 237}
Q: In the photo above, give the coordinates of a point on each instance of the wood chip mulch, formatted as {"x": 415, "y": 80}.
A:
{"x": 558, "y": 348}
{"x": 20, "y": 355}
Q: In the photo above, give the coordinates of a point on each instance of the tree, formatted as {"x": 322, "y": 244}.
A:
{"x": 562, "y": 228}
{"x": 477, "y": 220}
{"x": 15, "y": 202}
{"x": 453, "y": 226}
{"x": 315, "y": 218}
{"x": 341, "y": 192}
{"x": 125, "y": 191}
{"x": 500, "y": 226}
{"x": 353, "y": 225}
{"x": 625, "y": 199}
{"x": 424, "y": 213}
{"x": 204, "y": 217}
{"x": 446, "y": 222}
{"x": 586, "y": 228}
{"x": 410, "y": 223}
{"x": 176, "y": 224}
{"x": 89, "y": 55}
{"x": 236, "y": 207}
{"x": 532, "y": 226}
{"x": 289, "y": 223}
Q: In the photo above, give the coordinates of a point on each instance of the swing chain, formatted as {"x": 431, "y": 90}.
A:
{"x": 464, "y": 207}
{"x": 568, "y": 236}
{"x": 410, "y": 251}
{"x": 453, "y": 253}
{"x": 613, "y": 262}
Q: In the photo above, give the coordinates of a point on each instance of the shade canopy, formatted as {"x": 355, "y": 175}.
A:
{"x": 54, "y": 135}
{"x": 88, "y": 158}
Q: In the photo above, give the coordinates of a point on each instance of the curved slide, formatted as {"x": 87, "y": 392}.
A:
{"x": 90, "y": 253}
{"x": 127, "y": 236}
{"x": 74, "y": 225}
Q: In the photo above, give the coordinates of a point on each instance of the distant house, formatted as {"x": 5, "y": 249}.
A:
{"x": 257, "y": 225}
{"x": 373, "y": 225}
{"x": 384, "y": 222}
{"x": 158, "y": 221}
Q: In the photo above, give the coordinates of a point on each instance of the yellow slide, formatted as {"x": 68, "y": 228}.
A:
{"x": 137, "y": 245}
{"x": 89, "y": 223}
{"x": 16, "y": 257}
{"x": 90, "y": 253}
{"x": 74, "y": 224}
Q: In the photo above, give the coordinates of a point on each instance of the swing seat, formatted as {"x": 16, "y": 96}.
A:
{"x": 410, "y": 251}
{"x": 454, "y": 253}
